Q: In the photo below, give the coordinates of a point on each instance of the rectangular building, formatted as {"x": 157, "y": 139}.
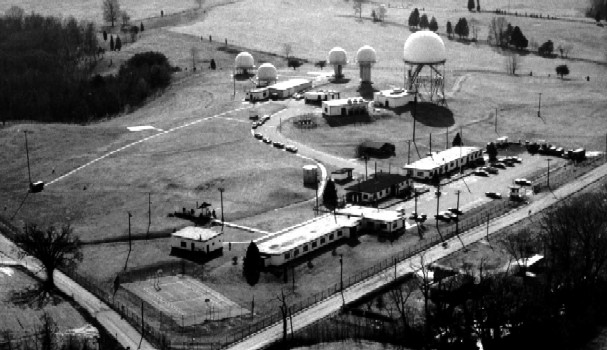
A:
{"x": 380, "y": 186}
{"x": 321, "y": 95}
{"x": 392, "y": 98}
{"x": 303, "y": 240}
{"x": 197, "y": 239}
{"x": 378, "y": 220}
{"x": 345, "y": 107}
{"x": 443, "y": 162}
{"x": 286, "y": 89}
{"x": 258, "y": 94}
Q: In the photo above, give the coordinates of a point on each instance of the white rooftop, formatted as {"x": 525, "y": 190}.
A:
{"x": 344, "y": 101}
{"x": 244, "y": 60}
{"x": 366, "y": 54}
{"x": 440, "y": 158}
{"x": 338, "y": 56}
{"x": 196, "y": 233}
{"x": 371, "y": 213}
{"x": 267, "y": 71}
{"x": 283, "y": 85}
{"x": 306, "y": 233}
{"x": 395, "y": 93}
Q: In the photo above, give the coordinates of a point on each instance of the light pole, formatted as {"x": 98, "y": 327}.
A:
{"x": 414, "y": 113}
{"x": 496, "y": 120}
{"x": 129, "y": 253}
{"x": 539, "y": 105}
{"x": 341, "y": 278}
{"x": 548, "y": 176}
{"x": 409, "y": 151}
{"x": 27, "y": 154}
{"x": 221, "y": 189}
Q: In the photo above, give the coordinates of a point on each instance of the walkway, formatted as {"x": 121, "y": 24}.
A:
{"x": 334, "y": 303}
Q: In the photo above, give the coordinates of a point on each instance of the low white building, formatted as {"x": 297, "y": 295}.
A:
{"x": 303, "y": 240}
{"x": 378, "y": 187}
{"x": 197, "y": 239}
{"x": 441, "y": 163}
{"x": 322, "y": 95}
{"x": 381, "y": 220}
{"x": 392, "y": 98}
{"x": 258, "y": 94}
{"x": 345, "y": 107}
{"x": 286, "y": 89}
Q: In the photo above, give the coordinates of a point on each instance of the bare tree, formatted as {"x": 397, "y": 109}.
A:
{"x": 512, "y": 63}
{"x": 124, "y": 16}
{"x": 199, "y": 3}
{"x": 287, "y": 49}
{"x": 111, "y": 10}
{"x": 284, "y": 310}
{"x": 400, "y": 296}
{"x": 14, "y": 12}
{"x": 358, "y": 7}
{"x": 520, "y": 245}
{"x": 53, "y": 247}
{"x": 498, "y": 32}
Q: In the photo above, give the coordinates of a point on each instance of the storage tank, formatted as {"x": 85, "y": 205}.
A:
{"x": 310, "y": 175}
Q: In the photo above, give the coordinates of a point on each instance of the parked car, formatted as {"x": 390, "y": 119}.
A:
{"x": 254, "y": 116}
{"x": 499, "y": 165}
{"x": 481, "y": 173}
{"x": 443, "y": 217}
{"x": 254, "y": 125}
{"x": 258, "y": 136}
{"x": 278, "y": 144}
{"x": 266, "y": 140}
{"x": 291, "y": 148}
{"x": 491, "y": 170}
{"x": 297, "y": 96}
{"x": 494, "y": 195}
{"x": 455, "y": 211}
{"x": 515, "y": 159}
{"x": 522, "y": 182}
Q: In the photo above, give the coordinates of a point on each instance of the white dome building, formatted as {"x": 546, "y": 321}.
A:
{"x": 244, "y": 62}
{"x": 338, "y": 58}
{"x": 266, "y": 74}
{"x": 425, "y": 49}
{"x": 366, "y": 57}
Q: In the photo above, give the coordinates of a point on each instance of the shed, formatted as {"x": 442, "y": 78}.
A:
{"x": 197, "y": 239}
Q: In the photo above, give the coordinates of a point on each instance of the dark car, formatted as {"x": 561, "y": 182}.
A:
{"x": 481, "y": 173}
{"x": 278, "y": 144}
{"x": 443, "y": 217}
{"x": 491, "y": 170}
{"x": 494, "y": 195}
{"x": 455, "y": 211}
{"x": 291, "y": 148}
{"x": 499, "y": 165}
{"x": 254, "y": 125}
{"x": 266, "y": 140}
{"x": 258, "y": 136}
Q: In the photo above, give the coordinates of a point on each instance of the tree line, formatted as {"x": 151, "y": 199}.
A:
{"x": 46, "y": 65}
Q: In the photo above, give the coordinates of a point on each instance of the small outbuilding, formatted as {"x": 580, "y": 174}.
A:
{"x": 345, "y": 107}
{"x": 392, "y": 98}
{"x": 377, "y": 220}
{"x": 197, "y": 240}
{"x": 258, "y": 94}
{"x": 379, "y": 187}
{"x": 286, "y": 89}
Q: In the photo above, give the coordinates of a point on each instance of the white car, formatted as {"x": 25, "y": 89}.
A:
{"x": 522, "y": 182}
{"x": 291, "y": 148}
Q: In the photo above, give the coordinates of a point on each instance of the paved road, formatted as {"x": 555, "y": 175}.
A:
{"x": 333, "y": 304}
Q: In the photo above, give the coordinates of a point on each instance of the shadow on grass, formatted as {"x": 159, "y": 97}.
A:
{"x": 433, "y": 115}
{"x": 341, "y": 80}
{"x": 366, "y": 91}
{"x": 36, "y": 296}
{"x": 337, "y": 121}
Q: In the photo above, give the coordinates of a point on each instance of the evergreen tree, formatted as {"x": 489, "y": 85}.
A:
{"x": 251, "y": 266}
{"x": 141, "y": 27}
{"x": 449, "y": 29}
{"x": 104, "y": 35}
{"x": 470, "y": 5}
{"x": 213, "y": 65}
{"x": 111, "y": 43}
{"x": 465, "y": 30}
{"x": 118, "y": 45}
{"x": 457, "y": 140}
{"x": 492, "y": 151}
{"x": 414, "y": 18}
{"x": 433, "y": 24}
{"x": 329, "y": 196}
{"x": 517, "y": 39}
{"x": 423, "y": 22}
{"x": 478, "y": 5}
{"x": 562, "y": 70}
{"x": 546, "y": 49}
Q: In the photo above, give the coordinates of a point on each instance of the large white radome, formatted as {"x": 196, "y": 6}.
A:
{"x": 424, "y": 47}
{"x": 366, "y": 54}
{"x": 244, "y": 60}
{"x": 338, "y": 56}
{"x": 267, "y": 71}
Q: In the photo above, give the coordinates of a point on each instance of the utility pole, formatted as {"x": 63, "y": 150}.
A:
{"x": 496, "y": 120}
{"x": 375, "y": 169}
{"x": 341, "y": 278}
{"x": 130, "y": 246}
{"x": 447, "y": 139}
{"x": 409, "y": 149}
{"x": 548, "y": 177}
{"x": 414, "y": 113}
{"x": 221, "y": 189}
{"x": 437, "y": 202}
{"x": 366, "y": 174}
{"x": 149, "y": 213}
{"x": 539, "y": 105}
{"x": 457, "y": 221}
{"x": 317, "y": 181}
{"x": 27, "y": 154}
{"x": 430, "y": 143}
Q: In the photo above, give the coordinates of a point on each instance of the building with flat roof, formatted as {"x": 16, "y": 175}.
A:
{"x": 443, "y": 162}
{"x": 321, "y": 95}
{"x": 287, "y": 88}
{"x": 378, "y": 220}
{"x": 258, "y": 94}
{"x": 197, "y": 239}
{"x": 303, "y": 240}
{"x": 345, "y": 106}
{"x": 380, "y": 186}
{"x": 392, "y": 98}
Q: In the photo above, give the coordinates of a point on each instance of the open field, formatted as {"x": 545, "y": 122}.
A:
{"x": 20, "y": 320}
